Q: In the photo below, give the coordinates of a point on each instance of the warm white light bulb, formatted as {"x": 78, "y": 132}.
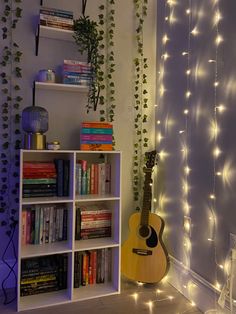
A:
{"x": 158, "y": 122}
{"x": 212, "y": 196}
{"x": 165, "y": 39}
{"x": 187, "y": 170}
{"x": 195, "y": 31}
{"x": 188, "y": 11}
{"x": 216, "y": 84}
{"x": 165, "y": 56}
{"x": 216, "y": 152}
{"x": 181, "y": 131}
{"x": 184, "y": 53}
{"x": 221, "y": 108}
{"x": 188, "y": 94}
{"x": 186, "y": 111}
{"x": 218, "y": 40}
{"x": 188, "y": 72}
{"x": 217, "y": 17}
{"x": 211, "y": 61}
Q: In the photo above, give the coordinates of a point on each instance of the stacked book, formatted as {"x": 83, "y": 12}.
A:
{"x": 93, "y": 178}
{"x": 43, "y": 274}
{"x": 44, "y": 224}
{"x": 76, "y": 72}
{"x": 93, "y": 221}
{"x": 96, "y": 136}
{"x": 39, "y": 179}
{"x": 92, "y": 267}
{"x": 56, "y": 18}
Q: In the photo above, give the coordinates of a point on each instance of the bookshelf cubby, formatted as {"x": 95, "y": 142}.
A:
{"x": 69, "y": 246}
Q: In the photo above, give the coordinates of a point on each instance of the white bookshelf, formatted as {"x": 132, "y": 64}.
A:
{"x": 71, "y": 246}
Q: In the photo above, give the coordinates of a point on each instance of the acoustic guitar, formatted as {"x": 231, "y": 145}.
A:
{"x": 144, "y": 257}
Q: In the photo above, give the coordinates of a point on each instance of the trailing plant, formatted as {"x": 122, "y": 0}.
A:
{"x": 11, "y": 99}
{"x": 140, "y": 100}
{"x": 107, "y": 22}
{"x": 87, "y": 38}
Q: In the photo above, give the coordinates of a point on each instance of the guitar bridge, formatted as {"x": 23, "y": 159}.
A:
{"x": 142, "y": 252}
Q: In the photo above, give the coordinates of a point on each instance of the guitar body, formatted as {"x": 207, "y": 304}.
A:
{"x": 144, "y": 259}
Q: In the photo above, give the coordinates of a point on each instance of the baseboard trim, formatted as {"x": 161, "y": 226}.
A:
{"x": 195, "y": 288}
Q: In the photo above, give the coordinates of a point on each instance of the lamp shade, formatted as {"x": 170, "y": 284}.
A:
{"x": 35, "y": 119}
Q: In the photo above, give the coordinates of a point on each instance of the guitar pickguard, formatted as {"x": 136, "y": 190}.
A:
{"x": 152, "y": 241}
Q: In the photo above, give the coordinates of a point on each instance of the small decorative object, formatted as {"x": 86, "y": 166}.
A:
{"x": 35, "y": 124}
{"x": 55, "y": 145}
{"x": 46, "y": 76}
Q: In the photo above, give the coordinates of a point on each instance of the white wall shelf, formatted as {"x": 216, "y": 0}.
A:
{"x": 61, "y": 87}
{"x": 52, "y": 33}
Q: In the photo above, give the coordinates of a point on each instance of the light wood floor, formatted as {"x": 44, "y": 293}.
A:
{"x": 124, "y": 303}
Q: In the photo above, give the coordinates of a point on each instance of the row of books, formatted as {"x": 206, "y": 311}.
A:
{"x": 92, "y": 267}
{"x": 39, "y": 179}
{"x": 93, "y": 178}
{"x": 76, "y": 72}
{"x": 43, "y": 274}
{"x": 96, "y": 136}
{"x": 44, "y": 224}
{"x": 92, "y": 221}
{"x": 56, "y": 18}
{"x": 42, "y": 179}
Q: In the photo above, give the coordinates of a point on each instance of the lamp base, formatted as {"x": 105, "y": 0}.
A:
{"x": 35, "y": 141}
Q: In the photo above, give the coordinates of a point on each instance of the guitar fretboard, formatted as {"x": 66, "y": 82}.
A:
{"x": 147, "y": 197}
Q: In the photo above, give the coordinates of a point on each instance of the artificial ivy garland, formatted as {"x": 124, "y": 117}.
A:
{"x": 10, "y": 139}
{"x": 107, "y": 25}
{"x": 140, "y": 100}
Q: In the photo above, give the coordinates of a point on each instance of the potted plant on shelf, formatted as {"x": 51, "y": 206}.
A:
{"x": 87, "y": 38}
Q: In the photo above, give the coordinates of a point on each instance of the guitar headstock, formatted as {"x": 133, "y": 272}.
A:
{"x": 151, "y": 159}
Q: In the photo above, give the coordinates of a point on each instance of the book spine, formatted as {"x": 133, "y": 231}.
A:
{"x": 40, "y": 181}
{"x": 95, "y": 224}
{"x": 96, "y": 137}
{"x": 56, "y": 25}
{"x": 28, "y": 225}
{"x": 77, "y": 74}
{"x": 23, "y": 226}
{"x": 38, "y": 165}
{"x": 96, "y": 125}
{"x": 56, "y": 11}
{"x": 101, "y": 179}
{"x": 66, "y": 177}
{"x": 107, "y": 178}
{"x": 55, "y": 18}
{"x": 95, "y": 142}
{"x": 96, "y": 147}
{"x": 96, "y": 131}
{"x": 59, "y": 168}
{"x": 75, "y": 62}
{"x": 92, "y": 183}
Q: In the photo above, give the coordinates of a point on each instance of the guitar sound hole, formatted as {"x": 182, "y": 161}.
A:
{"x": 144, "y": 231}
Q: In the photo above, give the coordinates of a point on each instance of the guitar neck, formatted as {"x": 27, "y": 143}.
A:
{"x": 147, "y": 197}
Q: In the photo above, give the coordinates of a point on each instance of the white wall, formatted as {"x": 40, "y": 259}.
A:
{"x": 67, "y": 111}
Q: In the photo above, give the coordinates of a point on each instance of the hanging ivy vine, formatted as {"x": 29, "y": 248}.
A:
{"x": 140, "y": 100}
{"x": 107, "y": 26}
{"x": 10, "y": 139}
